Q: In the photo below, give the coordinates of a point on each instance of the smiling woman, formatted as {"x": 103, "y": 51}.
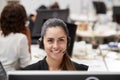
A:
{"x": 55, "y": 41}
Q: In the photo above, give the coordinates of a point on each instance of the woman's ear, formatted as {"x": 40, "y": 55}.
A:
{"x": 41, "y": 45}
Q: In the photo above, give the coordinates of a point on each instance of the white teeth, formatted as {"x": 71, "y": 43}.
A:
{"x": 56, "y": 52}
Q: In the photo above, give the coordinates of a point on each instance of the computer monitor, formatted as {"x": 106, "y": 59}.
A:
{"x": 62, "y": 75}
{"x": 43, "y": 15}
{"x": 100, "y": 7}
{"x": 116, "y": 14}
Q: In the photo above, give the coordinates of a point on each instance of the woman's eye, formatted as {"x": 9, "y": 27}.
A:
{"x": 61, "y": 40}
{"x": 50, "y": 40}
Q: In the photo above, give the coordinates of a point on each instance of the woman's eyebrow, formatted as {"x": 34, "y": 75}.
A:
{"x": 62, "y": 37}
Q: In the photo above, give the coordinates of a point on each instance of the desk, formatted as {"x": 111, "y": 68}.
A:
{"x": 94, "y": 65}
{"x": 113, "y": 65}
{"x": 95, "y": 33}
{"x": 91, "y": 35}
{"x": 83, "y": 53}
{"x": 83, "y": 17}
{"x": 37, "y": 53}
{"x": 111, "y": 57}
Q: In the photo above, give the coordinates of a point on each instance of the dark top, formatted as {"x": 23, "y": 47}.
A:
{"x": 42, "y": 65}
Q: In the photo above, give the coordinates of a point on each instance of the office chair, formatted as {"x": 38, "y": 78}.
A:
{"x": 3, "y": 75}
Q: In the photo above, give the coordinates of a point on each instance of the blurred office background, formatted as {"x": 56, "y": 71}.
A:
{"x": 76, "y": 7}
{"x": 97, "y": 35}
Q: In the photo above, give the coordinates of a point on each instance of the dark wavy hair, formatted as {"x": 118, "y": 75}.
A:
{"x": 13, "y": 19}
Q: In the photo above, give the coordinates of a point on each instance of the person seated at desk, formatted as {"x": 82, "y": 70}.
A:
{"x": 14, "y": 47}
{"x": 55, "y": 40}
{"x": 32, "y": 19}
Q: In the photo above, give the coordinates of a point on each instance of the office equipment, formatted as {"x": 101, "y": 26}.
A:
{"x": 62, "y": 75}
{"x": 43, "y": 15}
{"x": 3, "y": 75}
{"x": 100, "y": 7}
{"x": 116, "y": 14}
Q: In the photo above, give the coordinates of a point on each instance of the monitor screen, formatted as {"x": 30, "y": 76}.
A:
{"x": 43, "y": 15}
{"x": 116, "y": 14}
{"x": 62, "y": 75}
{"x": 100, "y": 7}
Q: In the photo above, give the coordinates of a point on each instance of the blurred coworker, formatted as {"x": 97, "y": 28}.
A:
{"x": 55, "y": 5}
{"x": 42, "y": 7}
{"x": 32, "y": 19}
{"x": 14, "y": 49}
{"x": 55, "y": 40}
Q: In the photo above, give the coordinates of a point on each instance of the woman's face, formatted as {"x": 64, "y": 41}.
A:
{"x": 55, "y": 42}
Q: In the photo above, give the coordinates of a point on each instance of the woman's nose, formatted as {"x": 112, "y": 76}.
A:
{"x": 55, "y": 45}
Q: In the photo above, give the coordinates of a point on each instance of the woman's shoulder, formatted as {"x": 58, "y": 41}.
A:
{"x": 20, "y": 35}
{"x": 35, "y": 66}
{"x": 81, "y": 67}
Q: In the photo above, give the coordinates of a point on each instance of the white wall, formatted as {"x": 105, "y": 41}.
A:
{"x": 76, "y": 6}
{"x": 32, "y": 5}
{"x": 2, "y": 4}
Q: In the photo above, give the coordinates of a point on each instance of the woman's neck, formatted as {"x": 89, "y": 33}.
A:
{"x": 53, "y": 64}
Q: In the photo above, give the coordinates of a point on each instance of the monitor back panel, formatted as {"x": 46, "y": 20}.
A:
{"x": 66, "y": 76}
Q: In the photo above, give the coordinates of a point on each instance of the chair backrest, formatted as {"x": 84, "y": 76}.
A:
{"x": 72, "y": 33}
{"x": 3, "y": 75}
{"x": 100, "y": 7}
{"x": 116, "y": 14}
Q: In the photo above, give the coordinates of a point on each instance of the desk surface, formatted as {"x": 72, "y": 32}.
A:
{"x": 83, "y": 17}
{"x": 96, "y": 34}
